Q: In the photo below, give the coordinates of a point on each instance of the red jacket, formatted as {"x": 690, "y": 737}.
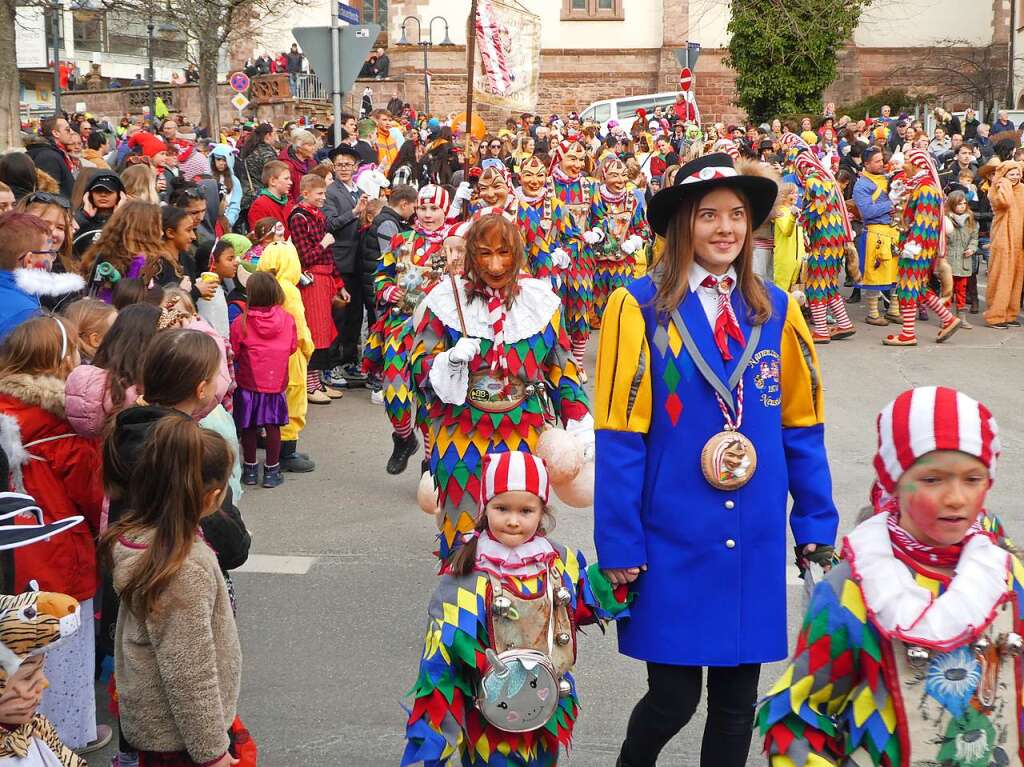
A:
{"x": 267, "y": 207}
{"x": 263, "y": 339}
{"x": 63, "y": 472}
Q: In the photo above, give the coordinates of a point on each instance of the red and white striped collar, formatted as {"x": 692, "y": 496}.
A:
{"x": 709, "y": 173}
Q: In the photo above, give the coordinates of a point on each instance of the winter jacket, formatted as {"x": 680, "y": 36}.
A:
{"x": 88, "y": 403}
{"x": 49, "y": 159}
{"x": 16, "y": 304}
{"x": 178, "y": 668}
{"x": 24, "y": 292}
{"x": 63, "y": 472}
{"x": 961, "y": 239}
{"x": 298, "y": 168}
{"x": 266, "y": 206}
{"x": 263, "y": 339}
{"x": 223, "y": 381}
{"x": 88, "y": 228}
{"x": 234, "y": 200}
{"x": 251, "y": 172}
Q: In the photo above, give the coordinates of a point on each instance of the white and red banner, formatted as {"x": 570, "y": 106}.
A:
{"x": 508, "y": 52}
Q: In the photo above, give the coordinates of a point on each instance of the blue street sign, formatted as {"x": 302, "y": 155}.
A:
{"x": 348, "y": 13}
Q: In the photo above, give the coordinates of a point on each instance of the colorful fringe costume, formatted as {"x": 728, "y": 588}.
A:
{"x": 490, "y": 417}
{"x": 578, "y": 283}
{"x": 407, "y": 264}
{"x": 444, "y": 726}
{"x": 621, "y": 217}
{"x": 897, "y": 666}
{"x": 546, "y": 226}
{"x": 827, "y": 233}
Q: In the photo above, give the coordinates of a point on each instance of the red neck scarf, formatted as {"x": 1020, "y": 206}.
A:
{"x": 907, "y": 547}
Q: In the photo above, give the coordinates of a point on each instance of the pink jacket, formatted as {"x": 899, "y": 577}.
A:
{"x": 87, "y": 400}
{"x": 223, "y": 382}
{"x": 263, "y": 339}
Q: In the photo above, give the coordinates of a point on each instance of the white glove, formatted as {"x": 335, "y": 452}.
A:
{"x": 912, "y": 250}
{"x": 560, "y": 258}
{"x": 631, "y": 245}
{"x": 464, "y": 192}
{"x": 465, "y": 349}
{"x": 583, "y": 431}
{"x": 593, "y": 236}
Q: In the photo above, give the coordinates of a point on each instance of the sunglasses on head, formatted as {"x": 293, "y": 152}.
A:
{"x": 47, "y": 198}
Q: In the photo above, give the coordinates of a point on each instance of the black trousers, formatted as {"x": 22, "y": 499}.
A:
{"x": 349, "y": 322}
{"x": 672, "y": 697}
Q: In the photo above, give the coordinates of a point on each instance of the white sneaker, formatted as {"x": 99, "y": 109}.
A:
{"x": 377, "y": 397}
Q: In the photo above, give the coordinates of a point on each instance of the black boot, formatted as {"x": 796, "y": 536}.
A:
{"x": 405, "y": 447}
{"x": 293, "y": 461}
{"x": 854, "y": 297}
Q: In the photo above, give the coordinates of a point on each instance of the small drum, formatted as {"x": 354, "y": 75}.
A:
{"x": 519, "y": 692}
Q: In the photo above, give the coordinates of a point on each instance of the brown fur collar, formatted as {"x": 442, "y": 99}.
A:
{"x": 42, "y": 391}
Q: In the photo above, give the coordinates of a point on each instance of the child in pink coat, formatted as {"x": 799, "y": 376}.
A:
{"x": 262, "y": 338}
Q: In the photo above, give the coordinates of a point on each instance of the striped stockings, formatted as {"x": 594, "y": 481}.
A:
{"x": 819, "y": 317}
{"x": 312, "y": 381}
{"x": 579, "y": 348}
{"x": 838, "y": 307}
{"x": 908, "y": 311}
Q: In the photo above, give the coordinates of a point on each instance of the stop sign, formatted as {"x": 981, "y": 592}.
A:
{"x": 685, "y": 80}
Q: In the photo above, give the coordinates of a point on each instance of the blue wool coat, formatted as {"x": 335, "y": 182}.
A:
{"x": 714, "y": 593}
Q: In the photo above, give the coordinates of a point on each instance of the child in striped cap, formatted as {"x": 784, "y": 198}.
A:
{"x": 495, "y": 685}
{"x": 911, "y": 648}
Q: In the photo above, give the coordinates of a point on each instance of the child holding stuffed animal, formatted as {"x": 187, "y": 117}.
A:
{"x": 495, "y": 685}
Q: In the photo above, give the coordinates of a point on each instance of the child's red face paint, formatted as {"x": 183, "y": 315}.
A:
{"x": 941, "y": 496}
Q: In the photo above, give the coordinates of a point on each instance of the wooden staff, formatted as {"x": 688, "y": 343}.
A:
{"x": 470, "y": 70}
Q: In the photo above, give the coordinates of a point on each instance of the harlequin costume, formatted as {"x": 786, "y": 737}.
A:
{"x": 505, "y": 602}
{"x": 622, "y": 216}
{"x": 898, "y": 664}
{"x": 473, "y": 411}
{"x": 827, "y": 232}
{"x": 549, "y": 233}
{"x": 409, "y": 265}
{"x": 714, "y": 591}
{"x": 576, "y": 194}
{"x": 922, "y": 241}
{"x": 877, "y": 244}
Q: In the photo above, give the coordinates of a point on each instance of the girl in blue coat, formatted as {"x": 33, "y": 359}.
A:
{"x": 709, "y": 418}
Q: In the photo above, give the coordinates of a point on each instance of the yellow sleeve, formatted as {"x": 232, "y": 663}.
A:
{"x": 803, "y": 401}
{"x": 623, "y": 385}
{"x": 293, "y": 305}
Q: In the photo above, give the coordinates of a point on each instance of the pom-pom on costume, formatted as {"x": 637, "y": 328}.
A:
{"x": 622, "y": 216}
{"x": 409, "y": 266}
{"x": 922, "y": 241}
{"x": 474, "y": 409}
{"x": 495, "y": 684}
{"x": 827, "y": 234}
{"x": 898, "y": 663}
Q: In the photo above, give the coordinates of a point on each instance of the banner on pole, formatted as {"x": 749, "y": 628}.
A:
{"x": 508, "y": 55}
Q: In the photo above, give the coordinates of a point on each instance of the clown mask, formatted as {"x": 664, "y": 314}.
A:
{"x": 495, "y": 261}
{"x": 572, "y": 161}
{"x": 533, "y": 176}
{"x": 492, "y": 189}
{"x": 615, "y": 177}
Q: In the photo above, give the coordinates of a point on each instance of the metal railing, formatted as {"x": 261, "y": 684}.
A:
{"x": 308, "y": 87}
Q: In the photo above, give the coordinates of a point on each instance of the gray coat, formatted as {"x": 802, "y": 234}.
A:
{"x": 342, "y": 223}
{"x": 961, "y": 238}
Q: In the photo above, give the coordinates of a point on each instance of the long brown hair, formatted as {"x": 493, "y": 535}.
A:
{"x": 176, "y": 362}
{"x": 34, "y": 348}
{"x": 180, "y": 463}
{"x": 487, "y": 229}
{"x": 134, "y": 228}
{"x": 66, "y": 222}
{"x": 678, "y": 257}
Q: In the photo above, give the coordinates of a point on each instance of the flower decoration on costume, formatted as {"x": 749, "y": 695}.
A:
{"x": 952, "y": 679}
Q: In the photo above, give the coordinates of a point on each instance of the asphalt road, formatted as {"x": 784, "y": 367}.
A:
{"x": 332, "y": 604}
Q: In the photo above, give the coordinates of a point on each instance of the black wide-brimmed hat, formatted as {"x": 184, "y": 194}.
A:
{"x": 697, "y": 178}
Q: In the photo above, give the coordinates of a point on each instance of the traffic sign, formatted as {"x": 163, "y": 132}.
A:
{"x": 239, "y": 102}
{"x": 240, "y": 82}
{"x": 348, "y": 13}
{"x": 685, "y": 80}
{"x": 355, "y": 44}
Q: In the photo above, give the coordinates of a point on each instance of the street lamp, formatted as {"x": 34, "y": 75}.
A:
{"x": 149, "y": 72}
{"x": 57, "y": 13}
{"x": 426, "y": 45}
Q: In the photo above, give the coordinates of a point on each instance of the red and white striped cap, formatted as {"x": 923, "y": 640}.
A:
{"x": 511, "y": 471}
{"x": 434, "y": 195}
{"x": 930, "y": 418}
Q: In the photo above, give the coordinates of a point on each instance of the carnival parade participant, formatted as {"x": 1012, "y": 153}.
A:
{"x": 619, "y": 213}
{"x": 707, "y": 389}
{"x": 575, "y": 190}
{"x": 493, "y": 188}
{"x": 549, "y": 233}
{"x": 827, "y": 230}
{"x": 404, "y": 276}
{"x": 922, "y": 241}
{"x": 494, "y": 363}
{"x": 910, "y": 649}
{"x": 512, "y": 643}
{"x": 877, "y": 245}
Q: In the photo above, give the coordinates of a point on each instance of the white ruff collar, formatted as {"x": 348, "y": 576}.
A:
{"x": 530, "y": 313}
{"x": 525, "y": 560}
{"x": 902, "y": 609}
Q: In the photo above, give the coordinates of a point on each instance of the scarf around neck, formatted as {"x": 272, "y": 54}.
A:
{"x": 562, "y": 177}
{"x": 612, "y": 197}
{"x": 525, "y": 560}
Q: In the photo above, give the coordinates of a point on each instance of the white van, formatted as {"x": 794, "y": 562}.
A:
{"x": 624, "y": 109}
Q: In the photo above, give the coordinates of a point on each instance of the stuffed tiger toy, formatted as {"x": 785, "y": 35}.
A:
{"x": 30, "y": 624}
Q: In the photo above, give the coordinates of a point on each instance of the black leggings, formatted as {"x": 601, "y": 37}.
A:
{"x": 672, "y": 697}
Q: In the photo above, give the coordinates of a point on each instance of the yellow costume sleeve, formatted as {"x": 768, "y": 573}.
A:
{"x": 623, "y": 386}
{"x": 803, "y": 401}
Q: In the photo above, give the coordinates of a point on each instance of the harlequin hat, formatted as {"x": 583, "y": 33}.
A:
{"x": 930, "y": 418}
{"x": 434, "y": 195}
{"x": 703, "y": 175}
{"x": 514, "y": 471}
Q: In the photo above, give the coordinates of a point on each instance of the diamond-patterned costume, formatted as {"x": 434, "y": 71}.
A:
{"x": 578, "y": 282}
{"x": 406, "y": 264}
{"x": 922, "y": 218}
{"x": 825, "y": 238}
{"x": 444, "y": 727}
{"x": 537, "y": 351}
{"x": 852, "y": 690}
{"x": 545, "y": 226}
{"x": 619, "y": 221}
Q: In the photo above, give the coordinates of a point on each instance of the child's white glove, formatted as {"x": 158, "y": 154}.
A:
{"x": 593, "y": 236}
{"x": 465, "y": 349}
{"x": 560, "y": 258}
{"x": 912, "y": 250}
{"x": 583, "y": 431}
{"x": 464, "y": 192}
{"x": 632, "y": 245}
